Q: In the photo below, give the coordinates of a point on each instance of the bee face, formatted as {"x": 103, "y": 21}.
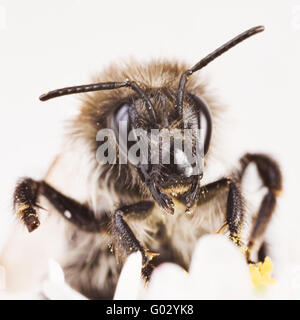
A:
{"x": 175, "y": 144}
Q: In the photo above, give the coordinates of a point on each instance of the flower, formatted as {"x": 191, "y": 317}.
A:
{"x": 218, "y": 271}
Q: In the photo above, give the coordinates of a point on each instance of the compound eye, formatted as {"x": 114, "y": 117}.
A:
{"x": 205, "y": 121}
{"x": 122, "y": 119}
{"x": 122, "y": 125}
{"x": 122, "y": 114}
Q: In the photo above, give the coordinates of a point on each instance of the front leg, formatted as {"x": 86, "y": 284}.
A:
{"x": 26, "y": 206}
{"x": 124, "y": 238}
{"x": 234, "y": 210}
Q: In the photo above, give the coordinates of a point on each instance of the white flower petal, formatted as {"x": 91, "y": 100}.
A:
{"x": 219, "y": 270}
{"x": 54, "y": 291}
{"x": 168, "y": 281}
{"x": 55, "y": 287}
{"x": 130, "y": 278}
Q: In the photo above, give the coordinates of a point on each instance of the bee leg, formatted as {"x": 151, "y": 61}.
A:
{"x": 77, "y": 213}
{"x": 124, "y": 237}
{"x": 270, "y": 174}
{"x": 235, "y": 212}
{"x": 262, "y": 252}
{"x": 209, "y": 191}
{"x": 235, "y": 209}
{"x": 25, "y": 205}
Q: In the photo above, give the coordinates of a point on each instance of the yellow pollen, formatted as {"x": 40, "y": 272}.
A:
{"x": 261, "y": 273}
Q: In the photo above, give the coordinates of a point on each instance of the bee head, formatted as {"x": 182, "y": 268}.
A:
{"x": 166, "y": 147}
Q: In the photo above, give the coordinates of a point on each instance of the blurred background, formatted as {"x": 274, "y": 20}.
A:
{"x": 51, "y": 44}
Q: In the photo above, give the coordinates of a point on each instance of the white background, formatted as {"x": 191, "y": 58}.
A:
{"x": 49, "y": 44}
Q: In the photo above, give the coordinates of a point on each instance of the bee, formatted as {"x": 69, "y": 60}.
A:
{"x": 100, "y": 212}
